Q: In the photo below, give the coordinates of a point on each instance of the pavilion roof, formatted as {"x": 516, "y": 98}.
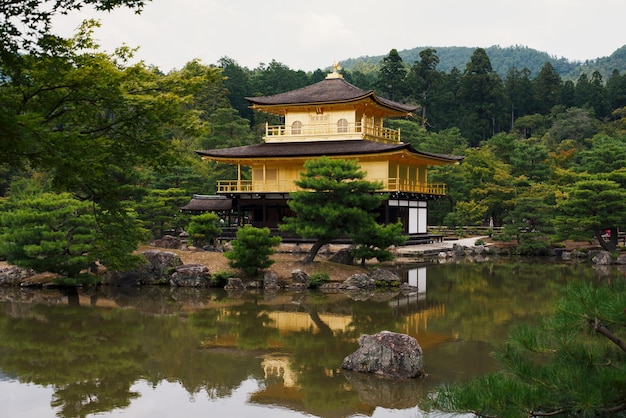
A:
{"x": 328, "y": 91}
{"x": 319, "y": 148}
{"x": 206, "y": 203}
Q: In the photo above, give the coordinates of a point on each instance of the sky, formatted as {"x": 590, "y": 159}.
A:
{"x": 310, "y": 34}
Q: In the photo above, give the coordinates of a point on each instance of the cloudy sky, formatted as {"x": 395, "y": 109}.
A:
{"x": 311, "y": 34}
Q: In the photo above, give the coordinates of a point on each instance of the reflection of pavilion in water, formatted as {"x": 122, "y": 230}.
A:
{"x": 281, "y": 382}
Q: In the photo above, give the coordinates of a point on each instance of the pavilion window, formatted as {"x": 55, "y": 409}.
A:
{"x": 342, "y": 125}
{"x": 296, "y": 128}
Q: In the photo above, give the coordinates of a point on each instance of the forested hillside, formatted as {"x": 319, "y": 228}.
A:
{"x": 502, "y": 59}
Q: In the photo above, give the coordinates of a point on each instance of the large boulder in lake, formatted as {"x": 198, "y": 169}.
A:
{"x": 384, "y": 278}
{"x": 190, "y": 275}
{"x": 603, "y": 258}
{"x": 159, "y": 266}
{"x": 388, "y": 354}
{"x": 14, "y": 275}
{"x": 358, "y": 281}
{"x": 157, "y": 269}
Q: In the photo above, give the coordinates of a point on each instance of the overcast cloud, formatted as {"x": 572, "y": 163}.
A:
{"x": 306, "y": 35}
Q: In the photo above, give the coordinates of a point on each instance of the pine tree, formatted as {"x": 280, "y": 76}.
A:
{"x": 49, "y": 232}
{"x": 336, "y": 202}
{"x": 572, "y": 364}
{"x": 251, "y": 249}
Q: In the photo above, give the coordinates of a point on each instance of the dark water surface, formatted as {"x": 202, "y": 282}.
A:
{"x": 161, "y": 352}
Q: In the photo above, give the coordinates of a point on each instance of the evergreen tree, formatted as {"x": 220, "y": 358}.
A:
{"x": 422, "y": 80}
{"x": 49, "y": 232}
{"x": 373, "y": 241}
{"x": 518, "y": 93}
{"x": 572, "y": 364}
{"x": 252, "y": 248}
{"x": 237, "y": 82}
{"x": 94, "y": 124}
{"x": 335, "y": 202}
{"x": 204, "y": 228}
{"x": 593, "y": 205}
{"x": 616, "y": 90}
{"x": 547, "y": 89}
{"x": 531, "y": 221}
{"x": 159, "y": 211}
{"x": 391, "y": 75}
{"x": 481, "y": 94}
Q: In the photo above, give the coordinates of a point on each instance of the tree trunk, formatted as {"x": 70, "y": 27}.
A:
{"x": 611, "y": 244}
{"x": 314, "y": 250}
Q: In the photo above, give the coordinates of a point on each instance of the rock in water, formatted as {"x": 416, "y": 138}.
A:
{"x": 387, "y": 354}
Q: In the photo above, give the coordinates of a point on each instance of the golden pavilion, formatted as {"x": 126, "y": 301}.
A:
{"x": 335, "y": 119}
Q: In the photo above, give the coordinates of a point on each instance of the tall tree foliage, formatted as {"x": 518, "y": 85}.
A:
{"x": 481, "y": 92}
{"x": 423, "y": 79}
{"x": 91, "y": 122}
{"x": 547, "y": 89}
{"x": 391, "y": 75}
{"x": 24, "y": 24}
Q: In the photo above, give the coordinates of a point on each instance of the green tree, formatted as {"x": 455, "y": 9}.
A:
{"x": 616, "y": 90}
{"x": 237, "y": 82}
{"x": 423, "y": 78}
{"x": 466, "y": 214}
{"x": 159, "y": 211}
{"x": 593, "y": 205}
{"x": 275, "y": 78}
{"x": 591, "y": 93}
{"x": 530, "y": 159}
{"x": 481, "y": 93}
{"x": 335, "y": 202}
{"x": 391, "y": 75}
{"x": 531, "y": 221}
{"x": 252, "y": 249}
{"x": 49, "y": 232}
{"x": 373, "y": 241}
{"x": 572, "y": 364}
{"x": 25, "y": 23}
{"x": 227, "y": 129}
{"x": 518, "y": 93}
{"x": 204, "y": 228}
{"x": 92, "y": 124}
{"x": 574, "y": 123}
{"x": 547, "y": 89}
{"x": 531, "y": 125}
{"x": 607, "y": 153}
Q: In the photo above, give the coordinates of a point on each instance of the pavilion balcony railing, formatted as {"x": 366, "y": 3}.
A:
{"x": 331, "y": 131}
{"x": 271, "y": 186}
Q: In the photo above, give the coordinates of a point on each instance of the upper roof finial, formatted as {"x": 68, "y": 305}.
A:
{"x": 335, "y": 73}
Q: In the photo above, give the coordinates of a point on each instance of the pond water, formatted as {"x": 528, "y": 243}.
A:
{"x": 160, "y": 352}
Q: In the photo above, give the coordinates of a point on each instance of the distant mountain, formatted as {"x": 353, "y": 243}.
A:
{"x": 502, "y": 59}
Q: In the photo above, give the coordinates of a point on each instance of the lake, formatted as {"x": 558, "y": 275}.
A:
{"x": 160, "y": 352}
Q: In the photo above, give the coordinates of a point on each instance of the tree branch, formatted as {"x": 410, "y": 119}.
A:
{"x": 545, "y": 414}
{"x": 601, "y": 329}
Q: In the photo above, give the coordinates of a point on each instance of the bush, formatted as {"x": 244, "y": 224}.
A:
{"x": 220, "y": 278}
{"x": 317, "y": 279}
{"x": 204, "y": 228}
{"x": 251, "y": 249}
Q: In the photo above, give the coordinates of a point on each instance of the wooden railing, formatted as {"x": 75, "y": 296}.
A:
{"x": 276, "y": 132}
{"x": 389, "y": 185}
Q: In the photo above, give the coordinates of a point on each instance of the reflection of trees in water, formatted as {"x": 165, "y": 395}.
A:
{"x": 90, "y": 357}
{"x": 496, "y": 294}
